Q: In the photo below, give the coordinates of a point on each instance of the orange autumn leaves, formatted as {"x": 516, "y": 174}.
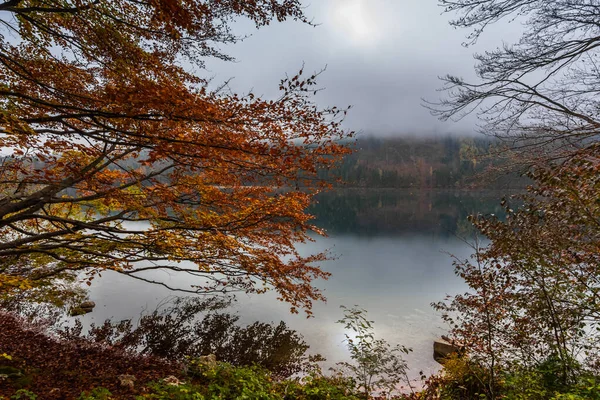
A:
{"x": 118, "y": 157}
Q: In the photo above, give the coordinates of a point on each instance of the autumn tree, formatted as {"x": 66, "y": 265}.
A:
{"x": 542, "y": 92}
{"x": 533, "y": 292}
{"x": 118, "y": 155}
{"x": 532, "y": 301}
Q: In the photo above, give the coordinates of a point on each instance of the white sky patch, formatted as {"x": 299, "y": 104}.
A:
{"x": 354, "y": 21}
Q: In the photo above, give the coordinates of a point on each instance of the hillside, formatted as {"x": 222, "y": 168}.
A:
{"x": 424, "y": 163}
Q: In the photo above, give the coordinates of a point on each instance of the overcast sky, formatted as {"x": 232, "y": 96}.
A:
{"x": 382, "y": 57}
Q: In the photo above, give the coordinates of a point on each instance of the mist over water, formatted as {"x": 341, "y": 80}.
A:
{"x": 391, "y": 258}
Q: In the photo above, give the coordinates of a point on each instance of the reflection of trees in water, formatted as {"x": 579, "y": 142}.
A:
{"x": 197, "y": 327}
{"x": 384, "y": 212}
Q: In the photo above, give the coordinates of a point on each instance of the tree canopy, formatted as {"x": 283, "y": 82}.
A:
{"x": 532, "y": 302}
{"x": 117, "y": 154}
{"x": 542, "y": 90}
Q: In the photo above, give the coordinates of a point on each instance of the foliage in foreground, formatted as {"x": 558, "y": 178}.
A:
{"x": 223, "y": 381}
{"x": 462, "y": 378}
{"x": 65, "y": 359}
{"x": 50, "y": 368}
{"x": 90, "y": 370}
{"x": 40, "y": 362}
{"x": 194, "y": 327}
{"x": 163, "y": 358}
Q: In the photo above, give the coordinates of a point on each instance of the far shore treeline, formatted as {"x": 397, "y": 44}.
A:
{"x": 442, "y": 162}
{"x": 407, "y": 162}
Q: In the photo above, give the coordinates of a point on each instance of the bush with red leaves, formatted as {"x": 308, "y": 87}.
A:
{"x": 58, "y": 369}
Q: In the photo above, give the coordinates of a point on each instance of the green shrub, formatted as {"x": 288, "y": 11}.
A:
{"x": 23, "y": 394}
{"x": 522, "y": 384}
{"x": 317, "y": 387}
{"x": 98, "y": 393}
{"x": 558, "y": 374}
{"x": 219, "y": 381}
{"x": 465, "y": 379}
{"x": 462, "y": 378}
{"x": 161, "y": 390}
{"x": 212, "y": 381}
{"x": 228, "y": 382}
{"x": 587, "y": 388}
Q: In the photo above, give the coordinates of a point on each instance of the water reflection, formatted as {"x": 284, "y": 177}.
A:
{"x": 401, "y": 212}
{"x": 391, "y": 259}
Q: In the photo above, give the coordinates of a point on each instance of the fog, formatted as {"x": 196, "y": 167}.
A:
{"x": 382, "y": 57}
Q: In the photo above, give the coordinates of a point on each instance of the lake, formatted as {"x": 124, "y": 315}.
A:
{"x": 392, "y": 258}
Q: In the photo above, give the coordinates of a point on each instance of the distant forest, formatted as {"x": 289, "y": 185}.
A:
{"x": 424, "y": 163}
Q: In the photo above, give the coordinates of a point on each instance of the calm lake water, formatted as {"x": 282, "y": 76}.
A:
{"x": 392, "y": 259}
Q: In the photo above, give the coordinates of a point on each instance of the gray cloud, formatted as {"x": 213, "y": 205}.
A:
{"x": 382, "y": 57}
